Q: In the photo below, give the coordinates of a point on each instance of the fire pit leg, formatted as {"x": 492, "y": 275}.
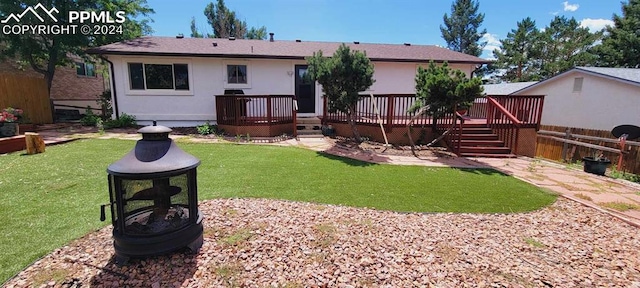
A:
{"x": 195, "y": 246}
{"x": 122, "y": 260}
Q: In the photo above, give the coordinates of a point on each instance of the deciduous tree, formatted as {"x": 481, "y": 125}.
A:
{"x": 342, "y": 77}
{"x": 44, "y": 52}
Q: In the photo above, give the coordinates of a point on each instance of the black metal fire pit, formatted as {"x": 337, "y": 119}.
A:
{"x": 154, "y": 198}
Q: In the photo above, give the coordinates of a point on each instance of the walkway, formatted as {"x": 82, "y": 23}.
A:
{"x": 602, "y": 193}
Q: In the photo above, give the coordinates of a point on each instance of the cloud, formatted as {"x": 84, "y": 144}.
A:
{"x": 570, "y": 7}
{"x": 595, "y": 24}
{"x": 492, "y": 42}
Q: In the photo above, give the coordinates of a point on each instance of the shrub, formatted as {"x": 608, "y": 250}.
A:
{"x": 125, "y": 120}
{"x": 207, "y": 128}
{"x": 89, "y": 118}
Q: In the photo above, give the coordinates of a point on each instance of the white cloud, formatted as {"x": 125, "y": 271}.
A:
{"x": 595, "y": 24}
{"x": 492, "y": 42}
{"x": 570, "y": 7}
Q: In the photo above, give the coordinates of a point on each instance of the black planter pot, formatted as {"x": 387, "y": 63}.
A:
{"x": 594, "y": 166}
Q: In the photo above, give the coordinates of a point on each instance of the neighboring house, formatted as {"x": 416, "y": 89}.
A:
{"x": 176, "y": 80}
{"x": 77, "y": 85}
{"x": 505, "y": 88}
{"x": 589, "y": 98}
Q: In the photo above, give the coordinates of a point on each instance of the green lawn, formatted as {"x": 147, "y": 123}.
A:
{"x": 48, "y": 199}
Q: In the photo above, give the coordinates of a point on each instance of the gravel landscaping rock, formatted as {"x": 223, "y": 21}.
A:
{"x": 262, "y": 243}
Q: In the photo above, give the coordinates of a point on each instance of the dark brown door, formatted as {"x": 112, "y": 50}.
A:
{"x": 305, "y": 91}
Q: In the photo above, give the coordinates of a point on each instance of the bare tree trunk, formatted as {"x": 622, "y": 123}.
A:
{"x": 352, "y": 123}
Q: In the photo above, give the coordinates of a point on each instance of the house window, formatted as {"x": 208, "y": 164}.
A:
{"x": 158, "y": 76}
{"x": 237, "y": 74}
{"x": 85, "y": 69}
{"x": 577, "y": 84}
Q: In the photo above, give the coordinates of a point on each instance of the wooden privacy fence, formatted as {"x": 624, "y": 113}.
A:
{"x": 27, "y": 93}
{"x": 571, "y": 144}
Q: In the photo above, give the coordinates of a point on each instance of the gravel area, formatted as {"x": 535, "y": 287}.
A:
{"x": 262, "y": 243}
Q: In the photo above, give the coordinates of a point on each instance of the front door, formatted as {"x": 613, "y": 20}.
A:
{"x": 305, "y": 91}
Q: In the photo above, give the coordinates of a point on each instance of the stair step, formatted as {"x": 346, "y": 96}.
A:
{"x": 491, "y": 143}
{"x": 310, "y": 136}
{"x": 474, "y": 130}
{"x": 475, "y": 125}
{"x": 309, "y": 120}
{"x": 479, "y": 137}
{"x": 309, "y": 132}
{"x": 485, "y": 150}
{"x": 484, "y": 155}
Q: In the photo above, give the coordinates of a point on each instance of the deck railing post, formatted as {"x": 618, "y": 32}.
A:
{"x": 390, "y": 111}
{"x": 294, "y": 114}
{"x": 269, "y": 109}
{"x": 324, "y": 110}
{"x": 236, "y": 117}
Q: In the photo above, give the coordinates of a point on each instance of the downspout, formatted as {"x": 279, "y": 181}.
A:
{"x": 113, "y": 87}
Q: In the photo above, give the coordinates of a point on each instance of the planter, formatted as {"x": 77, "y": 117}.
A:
{"x": 26, "y": 128}
{"x": 594, "y": 166}
{"x": 9, "y": 129}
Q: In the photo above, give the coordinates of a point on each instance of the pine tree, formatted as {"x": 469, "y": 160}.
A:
{"x": 518, "y": 53}
{"x": 621, "y": 44}
{"x": 342, "y": 77}
{"x": 460, "y": 31}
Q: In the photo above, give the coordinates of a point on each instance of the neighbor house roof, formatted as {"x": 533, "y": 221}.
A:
{"x": 242, "y": 48}
{"x": 625, "y": 75}
{"x": 505, "y": 88}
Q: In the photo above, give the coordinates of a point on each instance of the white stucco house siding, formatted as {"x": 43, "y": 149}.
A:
{"x": 601, "y": 103}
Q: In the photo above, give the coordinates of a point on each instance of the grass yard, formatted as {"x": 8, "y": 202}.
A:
{"x": 46, "y": 200}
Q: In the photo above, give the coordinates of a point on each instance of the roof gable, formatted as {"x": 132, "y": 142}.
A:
{"x": 624, "y": 75}
{"x": 243, "y": 48}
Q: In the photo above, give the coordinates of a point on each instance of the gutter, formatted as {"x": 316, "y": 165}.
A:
{"x": 113, "y": 87}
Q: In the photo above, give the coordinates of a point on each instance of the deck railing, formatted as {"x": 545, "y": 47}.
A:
{"x": 255, "y": 110}
{"x": 527, "y": 109}
{"x": 503, "y": 123}
{"x": 392, "y": 109}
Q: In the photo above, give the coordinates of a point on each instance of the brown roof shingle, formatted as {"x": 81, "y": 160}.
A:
{"x": 242, "y": 48}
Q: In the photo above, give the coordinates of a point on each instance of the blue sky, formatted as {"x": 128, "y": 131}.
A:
{"x": 377, "y": 21}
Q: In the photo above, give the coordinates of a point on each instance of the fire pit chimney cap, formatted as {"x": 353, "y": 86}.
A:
{"x": 154, "y": 129}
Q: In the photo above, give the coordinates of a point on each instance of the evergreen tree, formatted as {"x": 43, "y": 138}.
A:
{"x": 342, "y": 77}
{"x": 621, "y": 44}
{"x": 225, "y": 24}
{"x": 194, "y": 30}
{"x": 564, "y": 45}
{"x": 460, "y": 31}
{"x": 441, "y": 88}
{"x": 518, "y": 53}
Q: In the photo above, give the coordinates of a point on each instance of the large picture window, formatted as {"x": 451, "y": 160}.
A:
{"x": 158, "y": 76}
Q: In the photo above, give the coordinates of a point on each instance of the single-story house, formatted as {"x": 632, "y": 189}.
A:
{"x": 175, "y": 80}
{"x": 589, "y": 98}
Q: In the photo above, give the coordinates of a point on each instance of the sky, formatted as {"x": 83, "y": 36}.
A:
{"x": 378, "y": 21}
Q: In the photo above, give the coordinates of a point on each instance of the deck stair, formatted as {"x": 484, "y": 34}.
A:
{"x": 478, "y": 140}
{"x": 309, "y": 127}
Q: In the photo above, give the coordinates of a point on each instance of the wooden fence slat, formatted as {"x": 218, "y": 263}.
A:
{"x": 551, "y": 149}
{"x": 27, "y": 93}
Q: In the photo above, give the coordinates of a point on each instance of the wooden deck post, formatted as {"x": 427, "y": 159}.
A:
{"x": 390, "y": 111}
